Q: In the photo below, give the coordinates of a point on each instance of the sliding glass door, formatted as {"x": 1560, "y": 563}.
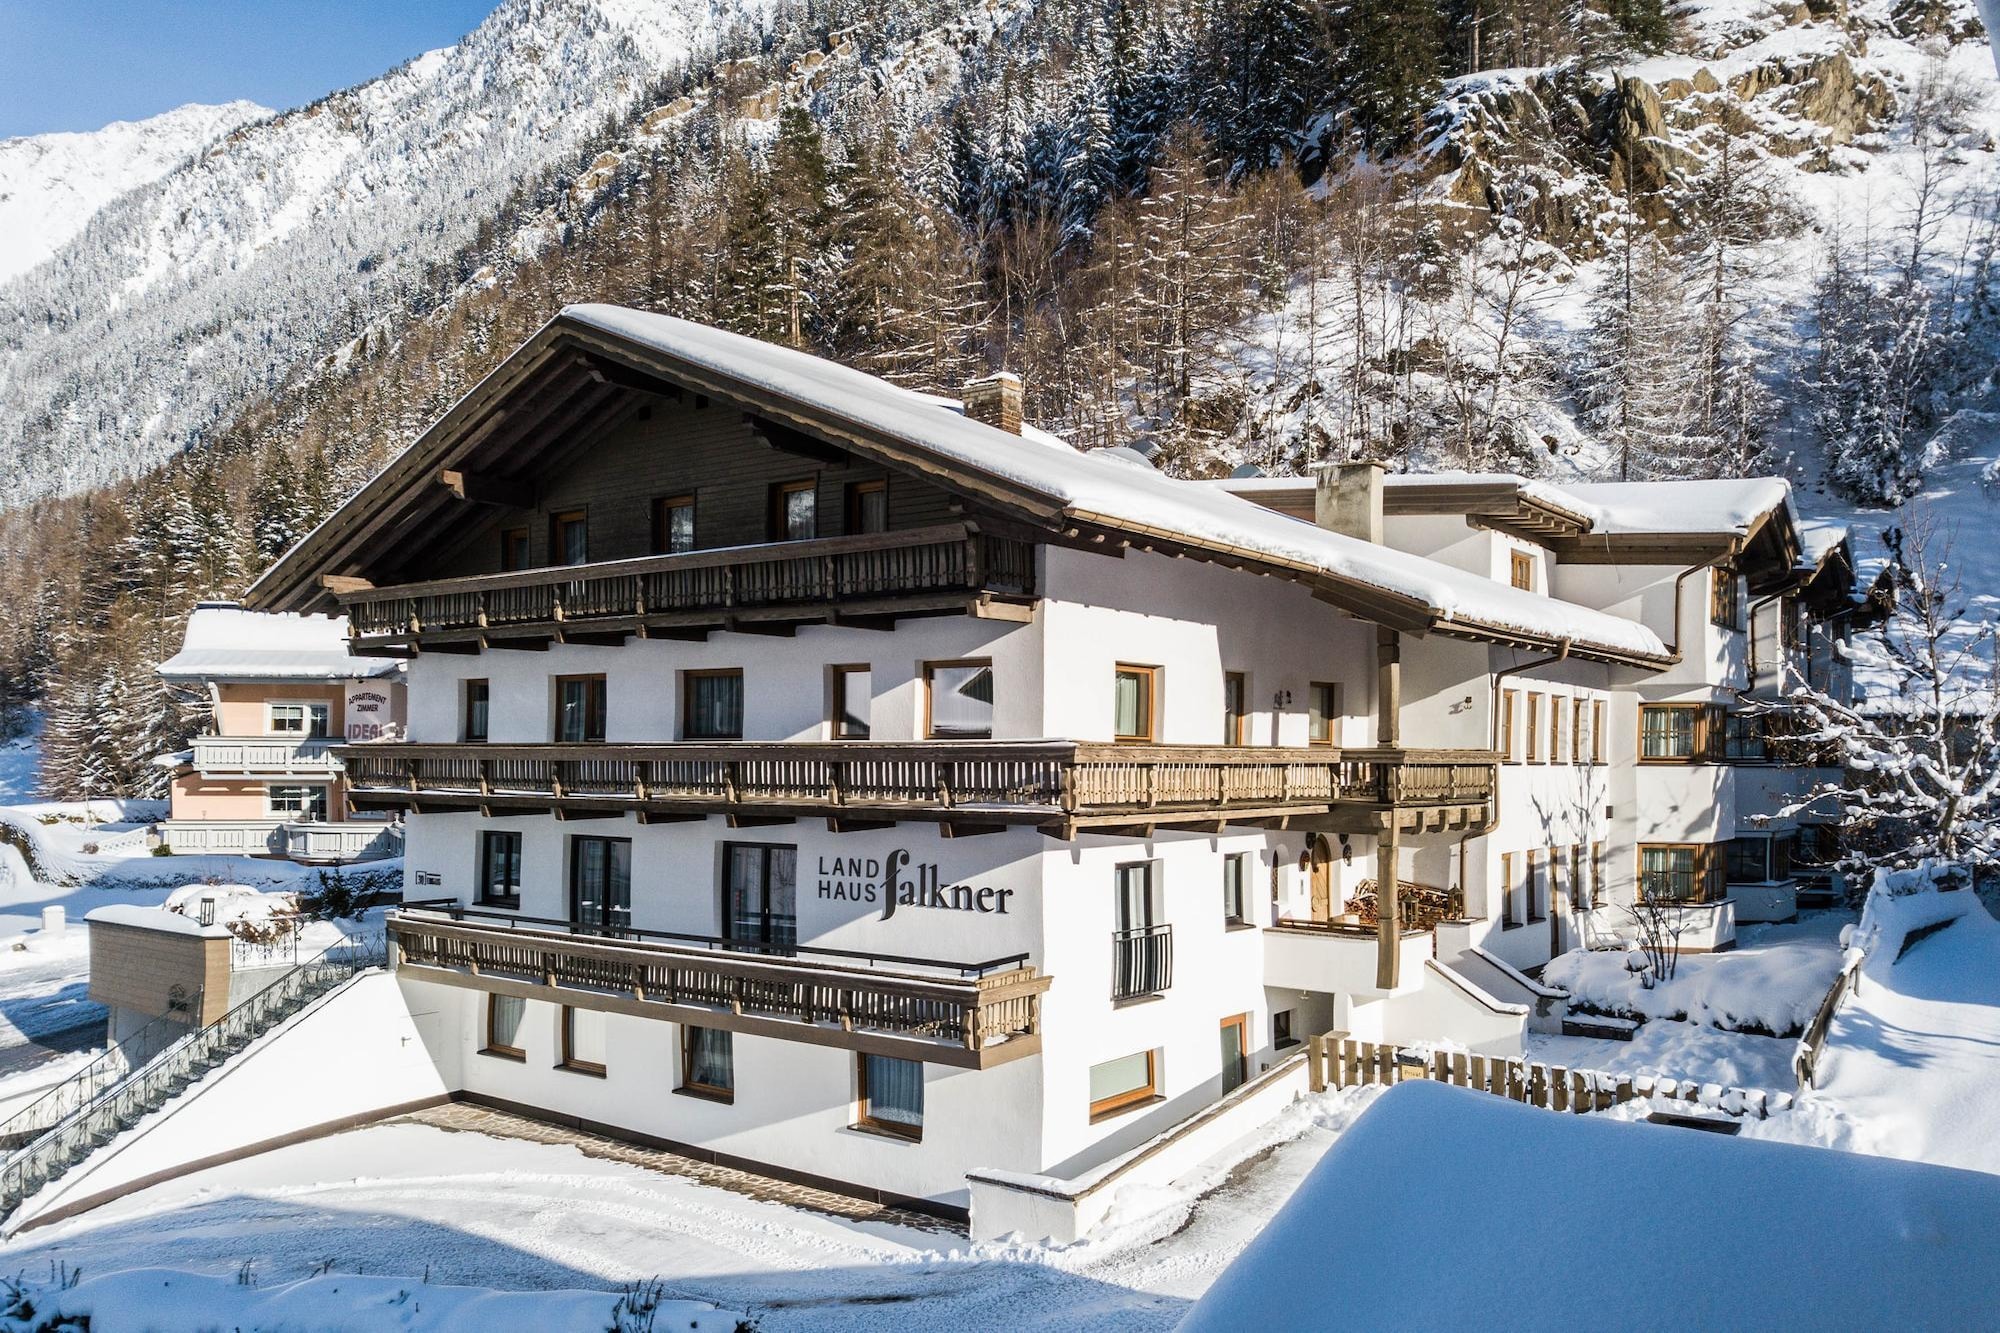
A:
{"x": 761, "y": 896}
{"x": 600, "y": 884}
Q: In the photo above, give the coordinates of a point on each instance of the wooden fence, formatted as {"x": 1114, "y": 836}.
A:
{"x": 1336, "y": 1060}
{"x": 1805, "y": 1060}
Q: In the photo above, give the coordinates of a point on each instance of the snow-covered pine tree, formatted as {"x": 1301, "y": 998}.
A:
{"x": 1636, "y": 382}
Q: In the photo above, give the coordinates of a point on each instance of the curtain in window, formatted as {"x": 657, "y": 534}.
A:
{"x": 962, "y": 701}
{"x": 1133, "y": 703}
{"x": 504, "y": 1018}
{"x": 1668, "y": 873}
{"x": 680, "y": 528}
{"x": 711, "y": 1061}
{"x": 1667, "y": 733}
{"x": 500, "y": 869}
{"x": 586, "y": 1036}
{"x": 1235, "y": 872}
{"x": 715, "y": 707}
{"x": 895, "y": 1091}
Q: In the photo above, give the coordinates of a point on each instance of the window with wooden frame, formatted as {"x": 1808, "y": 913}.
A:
{"x": 867, "y": 506}
{"x": 569, "y": 537}
{"x": 1534, "y": 728}
{"x": 1579, "y": 887}
{"x": 1577, "y": 718}
{"x": 1323, "y": 709}
{"x": 1521, "y": 570}
{"x": 580, "y": 709}
{"x": 1121, "y": 1084}
{"x": 795, "y": 511}
{"x": 1557, "y": 712}
{"x": 504, "y": 1015}
{"x": 1509, "y": 918}
{"x": 1679, "y": 872}
{"x": 708, "y": 1064}
{"x": 499, "y": 868}
{"x": 1135, "y": 704}
{"x": 476, "y": 696}
{"x": 515, "y": 552}
{"x": 712, "y": 705}
{"x": 891, "y": 1099}
{"x": 958, "y": 700}
{"x": 1724, "y": 607}
{"x": 1743, "y": 738}
{"x": 1597, "y": 731}
{"x": 851, "y": 704}
{"x": 1507, "y": 706}
{"x": 1537, "y": 888}
{"x": 1236, "y": 889}
{"x": 1235, "y": 708}
{"x": 1675, "y": 733}
{"x": 673, "y": 525}
{"x": 583, "y": 1040}
{"x": 1596, "y": 891}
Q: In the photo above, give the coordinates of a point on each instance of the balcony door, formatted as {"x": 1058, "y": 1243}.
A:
{"x": 760, "y": 906}
{"x": 600, "y": 884}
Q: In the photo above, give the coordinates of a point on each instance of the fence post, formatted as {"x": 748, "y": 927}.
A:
{"x": 1315, "y": 1068}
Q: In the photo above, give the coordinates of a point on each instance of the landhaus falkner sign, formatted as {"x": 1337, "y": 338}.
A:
{"x": 895, "y": 883}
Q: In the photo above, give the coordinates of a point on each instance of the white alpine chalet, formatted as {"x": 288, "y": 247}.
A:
{"x": 812, "y": 775}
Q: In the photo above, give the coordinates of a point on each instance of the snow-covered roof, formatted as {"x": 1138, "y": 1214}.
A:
{"x": 1571, "y": 1220}
{"x": 225, "y": 642}
{"x": 153, "y": 918}
{"x": 1818, "y": 539}
{"x": 1735, "y": 505}
{"x": 1114, "y": 494}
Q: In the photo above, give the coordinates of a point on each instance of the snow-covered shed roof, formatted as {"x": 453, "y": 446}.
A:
{"x": 1591, "y": 1207}
{"x": 1059, "y": 487}
{"x": 225, "y": 642}
{"x": 1735, "y": 504}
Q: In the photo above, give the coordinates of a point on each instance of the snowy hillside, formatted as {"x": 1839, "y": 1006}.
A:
{"x": 51, "y": 185}
{"x": 175, "y": 306}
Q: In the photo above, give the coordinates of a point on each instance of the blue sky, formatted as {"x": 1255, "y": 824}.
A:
{"x": 79, "y": 64}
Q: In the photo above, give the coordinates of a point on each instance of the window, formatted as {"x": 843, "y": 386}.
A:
{"x": 499, "y": 868}
{"x": 1281, "y": 1030}
{"x": 868, "y": 506}
{"x": 1236, "y": 888}
{"x": 853, "y": 692}
{"x": 1673, "y": 732}
{"x": 1507, "y": 726}
{"x": 795, "y": 511}
{"x": 1722, "y": 607}
{"x": 503, "y": 1026}
{"x": 583, "y": 1040}
{"x": 1743, "y": 738}
{"x": 1579, "y": 887}
{"x": 580, "y": 709}
{"x": 1577, "y": 719}
{"x": 1758, "y": 859}
{"x": 958, "y": 698}
{"x": 514, "y": 552}
{"x": 760, "y": 895}
{"x": 1141, "y": 952}
{"x": 1597, "y": 731}
{"x": 1594, "y": 894}
{"x": 1235, "y": 708}
{"x": 1682, "y": 873}
{"x": 569, "y": 538}
{"x": 892, "y": 1096}
{"x": 1534, "y": 728}
{"x": 1508, "y": 917}
{"x": 478, "y": 699}
{"x": 307, "y": 804}
{"x": 600, "y": 884}
{"x": 712, "y": 705}
{"x": 304, "y": 718}
{"x": 1135, "y": 696}
{"x": 1556, "y": 714}
{"x": 1538, "y": 888}
{"x": 708, "y": 1063}
{"x": 1323, "y": 713}
{"x": 1521, "y": 570}
{"x": 673, "y": 525}
{"x": 1118, "y": 1085}
{"x": 1235, "y": 1052}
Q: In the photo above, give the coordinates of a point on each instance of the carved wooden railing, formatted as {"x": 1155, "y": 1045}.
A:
{"x": 1021, "y": 779}
{"x": 832, "y": 995}
{"x": 946, "y": 559}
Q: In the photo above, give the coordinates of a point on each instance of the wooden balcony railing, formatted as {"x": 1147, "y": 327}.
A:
{"x": 970, "y": 1015}
{"x": 881, "y": 572}
{"x": 1006, "y": 782}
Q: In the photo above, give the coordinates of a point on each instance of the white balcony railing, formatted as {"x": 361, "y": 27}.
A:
{"x": 308, "y": 840}
{"x": 266, "y": 756}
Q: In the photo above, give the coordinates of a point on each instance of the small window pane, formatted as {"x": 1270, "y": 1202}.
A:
{"x": 1127, "y": 1076}
{"x": 1235, "y": 886}
{"x": 711, "y": 1061}
{"x": 504, "y": 1022}
{"x": 1133, "y": 705}
{"x": 1667, "y": 733}
{"x": 853, "y": 691}
{"x": 499, "y": 867}
{"x": 871, "y": 508}
{"x": 585, "y": 1037}
{"x": 478, "y": 700}
{"x": 962, "y": 701}
{"x": 799, "y": 514}
{"x": 895, "y": 1092}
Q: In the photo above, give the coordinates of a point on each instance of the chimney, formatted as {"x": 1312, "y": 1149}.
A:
{"x": 996, "y": 400}
{"x": 1347, "y": 497}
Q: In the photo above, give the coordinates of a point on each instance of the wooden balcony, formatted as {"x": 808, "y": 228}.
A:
{"x": 1062, "y": 786}
{"x": 772, "y": 587}
{"x": 973, "y": 1015}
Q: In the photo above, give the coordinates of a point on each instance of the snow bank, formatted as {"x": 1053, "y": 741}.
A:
{"x": 166, "y": 1300}
{"x": 1889, "y": 1245}
{"x": 1775, "y": 989}
{"x": 233, "y": 902}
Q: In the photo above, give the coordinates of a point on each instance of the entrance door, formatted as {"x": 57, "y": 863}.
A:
{"x": 600, "y": 884}
{"x": 1235, "y": 1053}
{"x": 760, "y": 909}
{"x": 1322, "y": 879}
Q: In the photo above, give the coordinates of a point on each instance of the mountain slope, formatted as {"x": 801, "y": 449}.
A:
{"x": 51, "y": 185}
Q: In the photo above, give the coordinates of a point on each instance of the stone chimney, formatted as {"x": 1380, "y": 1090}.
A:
{"x": 1347, "y": 497}
{"x": 996, "y": 400}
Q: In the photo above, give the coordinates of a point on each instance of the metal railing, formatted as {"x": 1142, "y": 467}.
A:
{"x": 107, "y": 1112}
{"x": 1142, "y": 962}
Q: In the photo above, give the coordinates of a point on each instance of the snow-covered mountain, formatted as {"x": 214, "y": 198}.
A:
{"x": 188, "y": 296}
{"x": 51, "y": 185}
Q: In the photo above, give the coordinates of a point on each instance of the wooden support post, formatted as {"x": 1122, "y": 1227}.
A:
{"x": 1315, "y": 1066}
{"x": 1388, "y": 917}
